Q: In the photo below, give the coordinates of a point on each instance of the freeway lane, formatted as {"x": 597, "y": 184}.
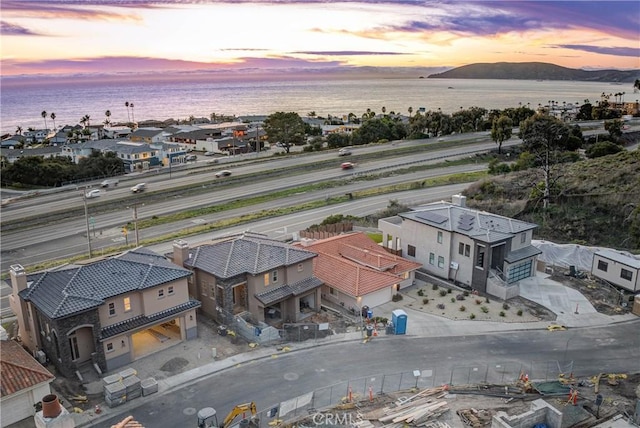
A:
{"x": 68, "y": 245}
{"x": 612, "y": 349}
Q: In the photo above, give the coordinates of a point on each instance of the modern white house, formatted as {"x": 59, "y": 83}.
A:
{"x": 476, "y": 249}
{"x": 617, "y": 268}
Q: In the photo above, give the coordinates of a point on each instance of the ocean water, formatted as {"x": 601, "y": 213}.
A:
{"x": 21, "y": 103}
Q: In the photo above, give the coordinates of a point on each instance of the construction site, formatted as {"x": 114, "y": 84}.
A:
{"x": 605, "y": 400}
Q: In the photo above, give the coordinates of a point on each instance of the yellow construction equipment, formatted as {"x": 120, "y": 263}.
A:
{"x": 207, "y": 417}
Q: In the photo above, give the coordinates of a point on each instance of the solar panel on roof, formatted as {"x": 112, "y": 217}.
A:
{"x": 431, "y": 216}
{"x": 465, "y": 226}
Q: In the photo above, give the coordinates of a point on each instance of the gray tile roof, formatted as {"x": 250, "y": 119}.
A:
{"x": 274, "y": 295}
{"x": 479, "y": 225}
{"x": 143, "y": 321}
{"x": 620, "y": 258}
{"x": 245, "y": 254}
{"x": 77, "y": 289}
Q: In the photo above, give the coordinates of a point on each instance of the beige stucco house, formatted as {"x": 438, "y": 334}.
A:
{"x": 106, "y": 313}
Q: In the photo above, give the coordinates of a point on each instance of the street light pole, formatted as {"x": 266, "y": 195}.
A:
{"x": 135, "y": 223}
{"x": 86, "y": 217}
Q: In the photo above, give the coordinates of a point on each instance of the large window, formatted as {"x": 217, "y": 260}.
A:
{"x": 480, "y": 257}
{"x": 602, "y": 265}
{"x": 127, "y": 304}
{"x": 519, "y": 271}
{"x": 411, "y": 250}
{"x": 432, "y": 258}
{"x": 464, "y": 249}
{"x": 267, "y": 278}
{"x": 441, "y": 262}
{"x": 626, "y": 274}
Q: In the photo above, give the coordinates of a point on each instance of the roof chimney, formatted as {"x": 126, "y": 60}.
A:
{"x": 459, "y": 200}
{"x": 180, "y": 252}
{"x": 18, "y": 278}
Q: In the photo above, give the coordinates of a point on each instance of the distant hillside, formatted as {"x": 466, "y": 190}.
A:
{"x": 597, "y": 203}
{"x": 535, "y": 71}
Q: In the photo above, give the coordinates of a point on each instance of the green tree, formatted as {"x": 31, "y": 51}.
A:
{"x": 19, "y": 130}
{"x": 614, "y": 127}
{"x": 126, "y": 104}
{"x": 53, "y": 118}
{"x": 545, "y": 137}
{"x": 586, "y": 111}
{"x": 501, "y": 130}
{"x": 288, "y": 129}
{"x": 602, "y": 148}
{"x": 410, "y": 110}
{"x": 107, "y": 114}
{"x": 44, "y": 116}
{"x": 335, "y": 140}
{"x": 375, "y": 130}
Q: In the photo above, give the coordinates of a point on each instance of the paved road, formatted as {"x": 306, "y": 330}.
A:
{"x": 327, "y": 369}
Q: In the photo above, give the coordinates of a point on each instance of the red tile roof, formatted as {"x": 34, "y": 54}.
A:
{"x": 355, "y": 264}
{"x": 19, "y": 370}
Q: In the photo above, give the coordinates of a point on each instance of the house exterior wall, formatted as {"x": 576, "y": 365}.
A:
{"x": 377, "y": 298}
{"x": 87, "y": 336}
{"x": 298, "y": 272}
{"x": 464, "y": 262}
{"x": 338, "y": 297}
{"x": 614, "y": 271}
{"x": 19, "y": 406}
{"x": 158, "y": 299}
{"x": 521, "y": 240}
{"x": 122, "y": 352}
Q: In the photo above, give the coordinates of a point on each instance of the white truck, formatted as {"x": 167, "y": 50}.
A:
{"x": 110, "y": 182}
{"x": 138, "y": 187}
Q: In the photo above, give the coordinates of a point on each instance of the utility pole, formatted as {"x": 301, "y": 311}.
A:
{"x": 86, "y": 217}
{"x": 135, "y": 223}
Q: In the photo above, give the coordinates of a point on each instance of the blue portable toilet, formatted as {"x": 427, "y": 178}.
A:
{"x": 399, "y": 319}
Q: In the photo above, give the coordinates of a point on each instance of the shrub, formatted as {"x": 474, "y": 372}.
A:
{"x": 425, "y": 301}
{"x": 453, "y": 300}
{"x": 486, "y": 300}
{"x": 478, "y": 301}
{"x": 449, "y": 290}
{"x": 505, "y": 306}
{"x": 502, "y": 314}
{"x": 472, "y": 316}
{"x": 519, "y": 312}
{"x": 434, "y": 287}
{"x": 484, "y": 309}
{"x": 420, "y": 293}
{"x": 440, "y": 306}
{"x": 397, "y": 297}
{"x": 462, "y": 308}
{"x": 459, "y": 297}
{"x": 465, "y": 293}
{"x": 443, "y": 293}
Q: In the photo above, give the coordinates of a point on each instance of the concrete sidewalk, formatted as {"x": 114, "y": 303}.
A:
{"x": 558, "y": 298}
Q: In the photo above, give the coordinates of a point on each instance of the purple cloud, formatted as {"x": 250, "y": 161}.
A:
{"x": 8, "y": 29}
{"x": 347, "y": 53}
{"x": 617, "y": 51}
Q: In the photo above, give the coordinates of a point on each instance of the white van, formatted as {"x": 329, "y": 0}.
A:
{"x": 93, "y": 194}
{"x": 139, "y": 187}
{"x": 112, "y": 182}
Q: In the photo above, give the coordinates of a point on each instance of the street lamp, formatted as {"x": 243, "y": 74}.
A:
{"x": 86, "y": 217}
{"x": 417, "y": 374}
{"x": 135, "y": 222}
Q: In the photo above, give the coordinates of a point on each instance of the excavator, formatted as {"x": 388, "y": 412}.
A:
{"x": 207, "y": 417}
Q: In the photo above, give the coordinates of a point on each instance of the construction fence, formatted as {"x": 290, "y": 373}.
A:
{"x": 369, "y": 387}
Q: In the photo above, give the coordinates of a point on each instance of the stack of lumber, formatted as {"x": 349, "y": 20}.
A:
{"x": 416, "y": 410}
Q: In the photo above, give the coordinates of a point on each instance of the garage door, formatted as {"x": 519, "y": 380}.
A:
{"x": 377, "y": 298}
{"x": 17, "y": 408}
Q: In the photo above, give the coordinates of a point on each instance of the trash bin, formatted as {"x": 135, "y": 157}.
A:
{"x": 365, "y": 309}
{"x": 222, "y": 330}
{"x": 369, "y": 330}
{"x": 399, "y": 319}
{"x": 390, "y": 328}
{"x": 369, "y": 314}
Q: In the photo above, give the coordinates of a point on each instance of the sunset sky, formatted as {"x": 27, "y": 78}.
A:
{"x": 139, "y": 36}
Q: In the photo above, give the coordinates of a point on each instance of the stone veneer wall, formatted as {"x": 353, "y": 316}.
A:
{"x": 541, "y": 413}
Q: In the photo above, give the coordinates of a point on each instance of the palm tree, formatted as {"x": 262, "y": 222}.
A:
{"x": 636, "y": 86}
{"x": 108, "y": 115}
{"x": 126, "y": 104}
{"x": 44, "y": 116}
{"x": 213, "y": 117}
{"x": 384, "y": 110}
{"x": 19, "y": 130}
{"x": 53, "y": 118}
{"x": 410, "y": 110}
{"x": 133, "y": 119}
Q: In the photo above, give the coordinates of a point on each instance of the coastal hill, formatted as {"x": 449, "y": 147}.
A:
{"x": 535, "y": 71}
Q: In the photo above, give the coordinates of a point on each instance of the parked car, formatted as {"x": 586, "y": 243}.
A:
{"x": 139, "y": 187}
{"x": 191, "y": 158}
{"x": 113, "y": 182}
{"x": 209, "y": 153}
{"x": 223, "y": 173}
{"x": 344, "y": 152}
{"x": 347, "y": 165}
{"x": 95, "y": 193}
